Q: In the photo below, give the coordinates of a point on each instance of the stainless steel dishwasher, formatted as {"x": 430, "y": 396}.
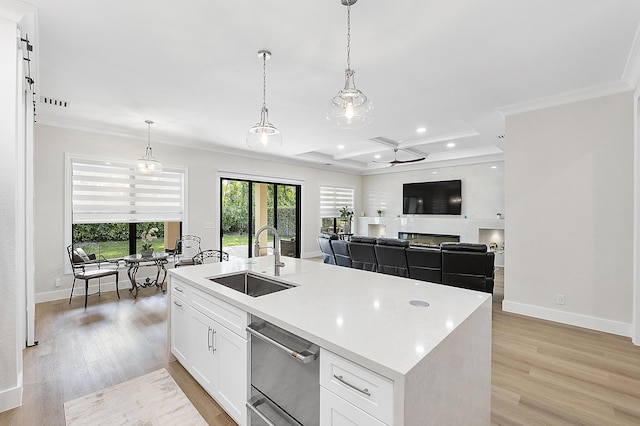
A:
{"x": 285, "y": 377}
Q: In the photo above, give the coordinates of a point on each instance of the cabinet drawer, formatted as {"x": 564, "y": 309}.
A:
{"x": 179, "y": 289}
{"x": 335, "y": 411}
{"x": 361, "y": 387}
{"x": 235, "y": 319}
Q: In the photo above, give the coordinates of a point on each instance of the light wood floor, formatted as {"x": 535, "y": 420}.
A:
{"x": 543, "y": 373}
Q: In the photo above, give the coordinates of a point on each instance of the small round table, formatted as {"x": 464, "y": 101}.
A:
{"x": 134, "y": 261}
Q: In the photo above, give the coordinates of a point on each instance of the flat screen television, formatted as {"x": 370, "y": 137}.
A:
{"x": 442, "y": 197}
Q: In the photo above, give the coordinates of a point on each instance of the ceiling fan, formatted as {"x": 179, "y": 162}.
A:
{"x": 396, "y": 161}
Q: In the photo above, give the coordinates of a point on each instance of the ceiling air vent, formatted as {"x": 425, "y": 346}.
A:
{"x": 54, "y": 102}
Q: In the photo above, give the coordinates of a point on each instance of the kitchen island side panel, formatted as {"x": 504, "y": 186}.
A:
{"x": 452, "y": 384}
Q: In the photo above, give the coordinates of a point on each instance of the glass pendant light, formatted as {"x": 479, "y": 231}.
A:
{"x": 350, "y": 108}
{"x": 148, "y": 164}
{"x": 264, "y": 134}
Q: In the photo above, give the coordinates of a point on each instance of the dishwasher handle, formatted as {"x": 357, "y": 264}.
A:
{"x": 304, "y": 357}
{"x": 253, "y": 404}
{"x": 278, "y": 416}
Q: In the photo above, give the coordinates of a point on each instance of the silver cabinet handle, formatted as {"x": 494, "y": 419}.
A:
{"x": 209, "y": 338}
{"x": 310, "y": 356}
{"x": 213, "y": 340}
{"x": 178, "y": 289}
{"x": 342, "y": 380}
{"x": 177, "y": 304}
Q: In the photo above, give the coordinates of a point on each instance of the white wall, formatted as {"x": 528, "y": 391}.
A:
{"x": 51, "y": 144}
{"x": 482, "y": 189}
{"x": 482, "y": 198}
{"x": 569, "y": 213}
{"x": 11, "y": 285}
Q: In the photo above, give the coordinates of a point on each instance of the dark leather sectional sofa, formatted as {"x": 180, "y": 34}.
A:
{"x": 457, "y": 264}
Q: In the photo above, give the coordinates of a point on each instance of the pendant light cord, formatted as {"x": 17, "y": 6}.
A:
{"x": 264, "y": 80}
{"x": 148, "y": 135}
{"x": 348, "y": 34}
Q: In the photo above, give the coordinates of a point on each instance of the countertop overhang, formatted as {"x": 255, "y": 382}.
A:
{"x": 363, "y": 316}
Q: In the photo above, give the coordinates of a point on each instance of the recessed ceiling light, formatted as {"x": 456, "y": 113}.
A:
{"x": 421, "y": 129}
{"x": 340, "y": 146}
{"x": 451, "y": 145}
{"x": 435, "y": 173}
{"x": 494, "y": 167}
{"x": 376, "y": 156}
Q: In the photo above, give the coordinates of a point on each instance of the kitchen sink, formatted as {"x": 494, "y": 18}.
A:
{"x": 251, "y": 284}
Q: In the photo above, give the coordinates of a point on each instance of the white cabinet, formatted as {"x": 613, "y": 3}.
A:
{"x": 202, "y": 360}
{"x": 335, "y": 411}
{"x": 212, "y": 353}
{"x": 352, "y": 394}
{"x": 180, "y": 342}
{"x": 231, "y": 372}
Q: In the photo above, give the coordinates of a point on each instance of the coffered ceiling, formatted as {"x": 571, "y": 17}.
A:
{"x": 449, "y": 67}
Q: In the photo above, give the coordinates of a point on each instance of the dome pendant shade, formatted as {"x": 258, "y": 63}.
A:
{"x": 264, "y": 134}
{"x": 350, "y": 108}
{"x": 148, "y": 164}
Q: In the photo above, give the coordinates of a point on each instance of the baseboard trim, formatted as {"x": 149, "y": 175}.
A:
{"x": 79, "y": 291}
{"x": 569, "y": 318}
{"x": 11, "y": 398}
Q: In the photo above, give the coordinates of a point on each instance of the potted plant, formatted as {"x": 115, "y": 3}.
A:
{"x": 379, "y": 213}
{"x": 147, "y": 238}
{"x": 346, "y": 215}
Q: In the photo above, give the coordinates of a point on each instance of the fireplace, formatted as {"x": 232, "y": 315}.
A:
{"x": 428, "y": 240}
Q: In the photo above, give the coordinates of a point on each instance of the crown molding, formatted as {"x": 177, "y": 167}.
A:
{"x": 566, "y": 98}
{"x": 15, "y": 10}
{"x": 631, "y": 74}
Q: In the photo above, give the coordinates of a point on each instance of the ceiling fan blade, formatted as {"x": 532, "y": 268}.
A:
{"x": 396, "y": 161}
{"x": 407, "y": 161}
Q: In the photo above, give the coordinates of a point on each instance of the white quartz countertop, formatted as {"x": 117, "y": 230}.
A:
{"x": 363, "y": 316}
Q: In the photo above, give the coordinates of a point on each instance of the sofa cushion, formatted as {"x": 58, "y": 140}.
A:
{"x": 341, "y": 252}
{"x": 80, "y": 256}
{"x": 363, "y": 240}
{"x": 478, "y": 248}
{"x": 425, "y": 263}
{"x": 392, "y": 242}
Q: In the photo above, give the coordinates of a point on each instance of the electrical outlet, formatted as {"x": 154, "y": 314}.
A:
{"x": 560, "y": 299}
{"x": 57, "y": 282}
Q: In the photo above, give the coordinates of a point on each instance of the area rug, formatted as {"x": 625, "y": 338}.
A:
{"x": 153, "y": 399}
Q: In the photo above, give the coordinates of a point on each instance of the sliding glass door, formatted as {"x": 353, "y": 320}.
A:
{"x": 249, "y": 205}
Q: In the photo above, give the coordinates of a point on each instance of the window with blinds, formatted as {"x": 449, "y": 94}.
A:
{"x": 333, "y": 198}
{"x": 108, "y": 192}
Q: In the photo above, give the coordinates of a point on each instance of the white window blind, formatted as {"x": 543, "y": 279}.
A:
{"x": 333, "y": 198}
{"x": 107, "y": 192}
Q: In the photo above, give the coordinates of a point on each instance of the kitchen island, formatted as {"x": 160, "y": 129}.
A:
{"x": 431, "y": 342}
